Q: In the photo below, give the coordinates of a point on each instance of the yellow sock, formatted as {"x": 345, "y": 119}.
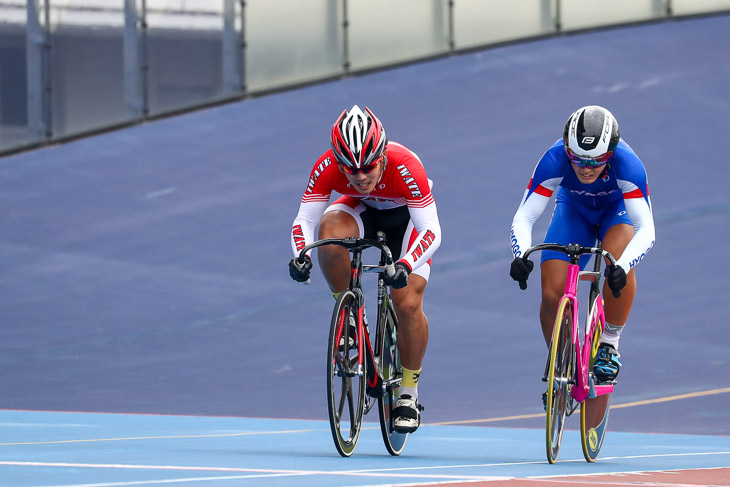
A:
{"x": 335, "y": 295}
{"x": 410, "y": 378}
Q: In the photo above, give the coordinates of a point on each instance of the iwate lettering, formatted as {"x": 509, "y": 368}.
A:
{"x": 410, "y": 181}
{"x": 317, "y": 173}
{"x": 423, "y": 245}
{"x": 298, "y": 236}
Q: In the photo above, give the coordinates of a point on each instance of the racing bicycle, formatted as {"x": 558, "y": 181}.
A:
{"x": 569, "y": 368}
{"x": 359, "y": 375}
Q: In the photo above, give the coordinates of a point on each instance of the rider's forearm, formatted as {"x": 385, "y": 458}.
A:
{"x": 641, "y": 217}
{"x": 302, "y": 232}
{"x": 426, "y": 222}
{"x": 527, "y": 214}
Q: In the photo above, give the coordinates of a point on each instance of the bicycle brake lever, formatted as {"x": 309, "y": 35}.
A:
{"x": 390, "y": 270}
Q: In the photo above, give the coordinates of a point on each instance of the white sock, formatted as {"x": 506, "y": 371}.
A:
{"x": 408, "y": 391}
{"x": 611, "y": 334}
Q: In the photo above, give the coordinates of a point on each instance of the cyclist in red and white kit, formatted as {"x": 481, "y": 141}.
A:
{"x": 384, "y": 187}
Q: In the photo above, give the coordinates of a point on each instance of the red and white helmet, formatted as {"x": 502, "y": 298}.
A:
{"x": 358, "y": 138}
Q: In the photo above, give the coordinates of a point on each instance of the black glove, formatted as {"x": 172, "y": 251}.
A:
{"x": 400, "y": 278}
{"x": 616, "y": 279}
{"x": 299, "y": 271}
{"x": 520, "y": 270}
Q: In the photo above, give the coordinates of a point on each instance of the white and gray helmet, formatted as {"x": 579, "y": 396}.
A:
{"x": 590, "y": 136}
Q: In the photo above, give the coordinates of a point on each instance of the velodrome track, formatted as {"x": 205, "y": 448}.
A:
{"x": 144, "y": 273}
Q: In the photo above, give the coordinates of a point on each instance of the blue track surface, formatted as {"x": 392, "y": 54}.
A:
{"x": 73, "y": 448}
{"x": 144, "y": 271}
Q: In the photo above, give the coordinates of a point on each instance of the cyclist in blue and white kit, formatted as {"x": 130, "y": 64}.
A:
{"x": 602, "y": 193}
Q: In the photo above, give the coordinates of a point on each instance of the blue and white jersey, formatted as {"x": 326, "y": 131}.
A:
{"x": 624, "y": 179}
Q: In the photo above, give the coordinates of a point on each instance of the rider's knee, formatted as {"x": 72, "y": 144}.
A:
{"x": 551, "y": 295}
{"x": 337, "y": 224}
{"x": 617, "y": 238}
{"x": 408, "y": 304}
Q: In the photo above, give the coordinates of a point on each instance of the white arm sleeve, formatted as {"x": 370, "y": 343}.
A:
{"x": 304, "y": 224}
{"x": 523, "y": 221}
{"x": 639, "y": 211}
{"x": 426, "y": 222}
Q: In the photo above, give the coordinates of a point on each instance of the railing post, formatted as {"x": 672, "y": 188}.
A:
{"x": 345, "y": 38}
{"x": 452, "y": 34}
{"x": 233, "y": 48}
{"x": 135, "y": 60}
{"x": 38, "y": 70}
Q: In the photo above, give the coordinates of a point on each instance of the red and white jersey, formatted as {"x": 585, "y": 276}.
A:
{"x": 403, "y": 182}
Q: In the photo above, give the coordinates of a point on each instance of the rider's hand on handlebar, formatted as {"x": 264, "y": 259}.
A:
{"x": 616, "y": 279}
{"x": 400, "y": 278}
{"x": 299, "y": 271}
{"x": 520, "y": 270}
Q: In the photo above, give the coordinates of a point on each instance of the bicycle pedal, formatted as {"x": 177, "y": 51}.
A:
{"x": 377, "y": 390}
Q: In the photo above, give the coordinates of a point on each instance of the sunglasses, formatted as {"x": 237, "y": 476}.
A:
{"x": 365, "y": 170}
{"x": 586, "y": 161}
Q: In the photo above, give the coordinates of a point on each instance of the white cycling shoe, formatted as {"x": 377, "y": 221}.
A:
{"x": 407, "y": 414}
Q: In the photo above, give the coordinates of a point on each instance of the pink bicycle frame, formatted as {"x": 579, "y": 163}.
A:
{"x": 584, "y": 388}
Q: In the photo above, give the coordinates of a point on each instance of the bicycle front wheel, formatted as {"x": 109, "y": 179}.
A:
{"x": 594, "y": 412}
{"x": 559, "y": 379}
{"x": 346, "y": 376}
{"x": 392, "y": 374}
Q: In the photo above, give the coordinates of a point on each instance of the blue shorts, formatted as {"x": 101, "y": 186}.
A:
{"x": 572, "y": 223}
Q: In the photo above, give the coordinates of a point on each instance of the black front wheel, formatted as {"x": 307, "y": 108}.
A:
{"x": 392, "y": 374}
{"x": 346, "y": 377}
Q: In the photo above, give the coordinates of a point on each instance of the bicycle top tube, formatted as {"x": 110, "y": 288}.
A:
{"x": 354, "y": 245}
{"x": 572, "y": 250}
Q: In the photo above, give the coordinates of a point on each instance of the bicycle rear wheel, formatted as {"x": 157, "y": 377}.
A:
{"x": 346, "y": 380}
{"x": 392, "y": 373}
{"x": 559, "y": 378}
{"x": 594, "y": 412}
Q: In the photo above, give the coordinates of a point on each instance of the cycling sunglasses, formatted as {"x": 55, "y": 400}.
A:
{"x": 365, "y": 170}
{"x": 588, "y": 162}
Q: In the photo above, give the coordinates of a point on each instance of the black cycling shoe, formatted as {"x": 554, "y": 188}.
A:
{"x": 607, "y": 365}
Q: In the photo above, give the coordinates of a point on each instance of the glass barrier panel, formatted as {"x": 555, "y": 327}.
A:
{"x": 584, "y": 14}
{"x": 86, "y": 66}
{"x": 690, "y": 7}
{"x": 486, "y": 22}
{"x": 13, "y": 76}
{"x": 289, "y": 42}
{"x": 384, "y": 32}
{"x": 184, "y": 46}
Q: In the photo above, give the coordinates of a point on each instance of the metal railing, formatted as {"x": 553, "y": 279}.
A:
{"x": 75, "y": 67}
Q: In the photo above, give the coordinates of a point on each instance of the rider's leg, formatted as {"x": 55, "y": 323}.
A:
{"x": 412, "y": 342}
{"x": 553, "y": 273}
{"x": 334, "y": 261}
{"x": 617, "y": 310}
{"x": 412, "y": 322}
{"x": 607, "y": 364}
